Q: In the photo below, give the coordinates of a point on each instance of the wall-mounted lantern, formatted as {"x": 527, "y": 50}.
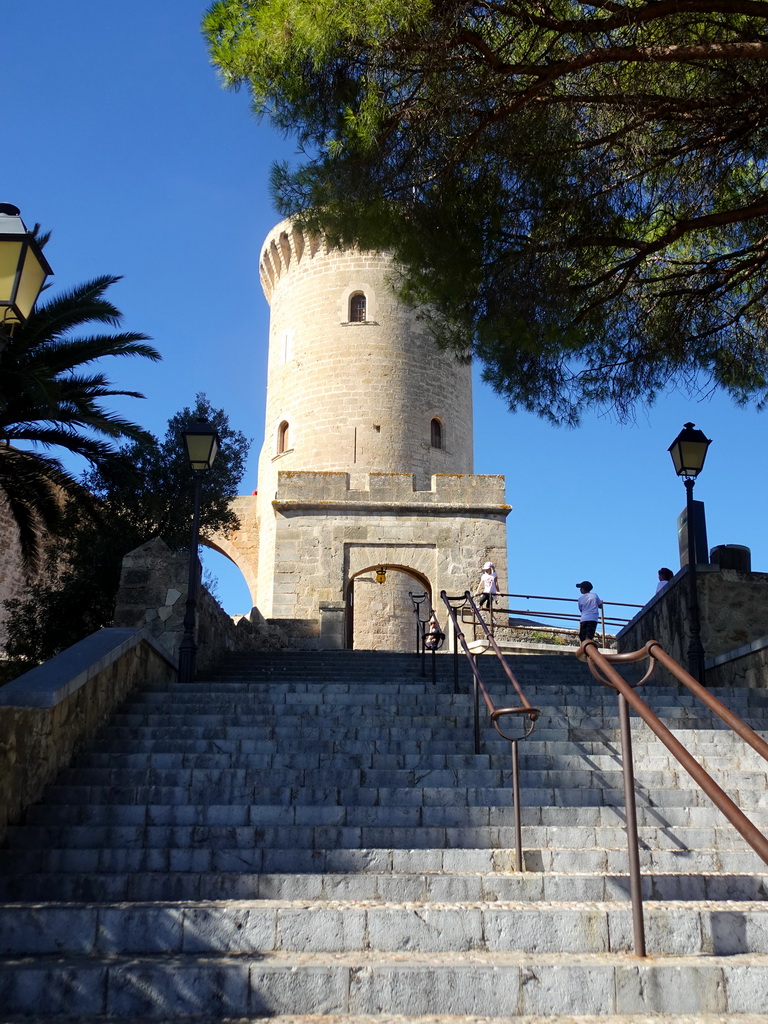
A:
{"x": 381, "y": 574}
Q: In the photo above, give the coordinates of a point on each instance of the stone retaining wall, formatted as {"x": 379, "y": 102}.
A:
{"x": 153, "y": 594}
{"x": 47, "y": 714}
{"x": 733, "y": 607}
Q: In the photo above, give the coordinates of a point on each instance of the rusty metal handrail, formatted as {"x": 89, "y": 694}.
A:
{"x": 601, "y": 667}
{"x": 496, "y": 714}
{"x": 417, "y": 600}
{"x": 611, "y": 620}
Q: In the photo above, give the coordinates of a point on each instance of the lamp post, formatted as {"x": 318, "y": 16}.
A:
{"x": 688, "y": 451}
{"x": 202, "y": 444}
{"x": 23, "y": 270}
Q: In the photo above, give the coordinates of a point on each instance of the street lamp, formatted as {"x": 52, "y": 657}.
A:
{"x": 202, "y": 444}
{"x": 688, "y": 451}
{"x": 23, "y": 270}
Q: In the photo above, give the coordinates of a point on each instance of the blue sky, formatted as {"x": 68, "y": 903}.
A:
{"x": 119, "y": 138}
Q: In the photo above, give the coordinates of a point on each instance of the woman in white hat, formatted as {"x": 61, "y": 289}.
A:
{"x": 489, "y": 585}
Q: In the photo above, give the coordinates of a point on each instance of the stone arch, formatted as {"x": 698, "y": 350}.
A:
{"x": 380, "y": 616}
{"x": 240, "y": 546}
{"x": 228, "y": 550}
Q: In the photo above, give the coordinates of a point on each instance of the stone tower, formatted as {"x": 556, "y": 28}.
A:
{"x": 367, "y": 456}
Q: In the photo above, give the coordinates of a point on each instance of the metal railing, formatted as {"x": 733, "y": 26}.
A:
{"x": 497, "y": 715}
{"x": 611, "y": 619}
{"x": 601, "y": 667}
{"x": 422, "y": 633}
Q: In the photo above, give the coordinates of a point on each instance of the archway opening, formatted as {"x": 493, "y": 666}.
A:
{"x": 380, "y": 616}
{"x": 226, "y": 582}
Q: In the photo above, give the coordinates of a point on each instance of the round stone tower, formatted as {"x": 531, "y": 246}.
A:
{"x": 355, "y": 384}
{"x": 367, "y": 457}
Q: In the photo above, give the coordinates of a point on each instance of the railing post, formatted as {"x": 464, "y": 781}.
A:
{"x": 635, "y": 878}
{"x": 476, "y": 705}
{"x": 455, "y": 658}
{"x": 516, "y": 806}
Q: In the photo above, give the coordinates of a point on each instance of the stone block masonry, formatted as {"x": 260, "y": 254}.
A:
{"x": 367, "y": 456}
{"x": 328, "y": 535}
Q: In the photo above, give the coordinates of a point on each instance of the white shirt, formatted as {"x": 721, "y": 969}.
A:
{"x": 589, "y": 606}
{"x": 489, "y": 581}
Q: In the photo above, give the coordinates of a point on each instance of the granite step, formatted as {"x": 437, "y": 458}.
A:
{"x": 340, "y": 926}
{"x": 228, "y": 816}
{"x": 504, "y": 984}
{"x": 78, "y": 880}
{"x": 603, "y": 815}
{"x": 131, "y": 852}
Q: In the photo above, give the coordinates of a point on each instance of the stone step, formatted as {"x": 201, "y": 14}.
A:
{"x": 387, "y": 1018}
{"x": 604, "y": 815}
{"x": 227, "y": 816}
{"x": 504, "y": 984}
{"x": 355, "y": 716}
{"x": 264, "y": 926}
{"x": 590, "y": 740}
{"x": 376, "y": 690}
{"x": 371, "y": 754}
{"x": 201, "y": 786}
{"x": 251, "y": 850}
{"x": 137, "y": 883}
{"x": 661, "y": 787}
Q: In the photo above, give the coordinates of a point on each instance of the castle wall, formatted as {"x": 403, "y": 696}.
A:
{"x": 328, "y": 533}
{"x": 733, "y": 609}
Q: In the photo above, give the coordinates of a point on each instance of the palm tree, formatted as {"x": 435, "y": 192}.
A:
{"x": 48, "y": 402}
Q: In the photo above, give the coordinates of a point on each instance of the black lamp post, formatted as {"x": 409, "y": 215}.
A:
{"x": 688, "y": 451}
{"x": 23, "y": 270}
{"x": 202, "y": 443}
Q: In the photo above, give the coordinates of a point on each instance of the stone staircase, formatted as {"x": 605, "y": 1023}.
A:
{"x": 310, "y": 836}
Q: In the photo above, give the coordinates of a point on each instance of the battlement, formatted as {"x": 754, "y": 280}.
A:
{"x": 448, "y": 490}
{"x": 287, "y": 246}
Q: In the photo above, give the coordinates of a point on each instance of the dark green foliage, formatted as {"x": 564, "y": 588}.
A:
{"x": 144, "y": 491}
{"x": 578, "y": 191}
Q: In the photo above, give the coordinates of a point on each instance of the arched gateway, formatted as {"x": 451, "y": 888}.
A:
{"x": 354, "y": 473}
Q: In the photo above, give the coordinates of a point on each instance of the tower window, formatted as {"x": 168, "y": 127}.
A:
{"x": 436, "y": 438}
{"x": 282, "y": 437}
{"x": 357, "y": 308}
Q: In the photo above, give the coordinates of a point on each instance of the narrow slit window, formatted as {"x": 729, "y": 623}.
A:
{"x": 357, "y": 308}
{"x": 437, "y": 434}
{"x": 282, "y": 437}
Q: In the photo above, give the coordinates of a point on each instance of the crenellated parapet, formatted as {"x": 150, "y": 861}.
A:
{"x": 284, "y": 247}
{"x": 455, "y": 492}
